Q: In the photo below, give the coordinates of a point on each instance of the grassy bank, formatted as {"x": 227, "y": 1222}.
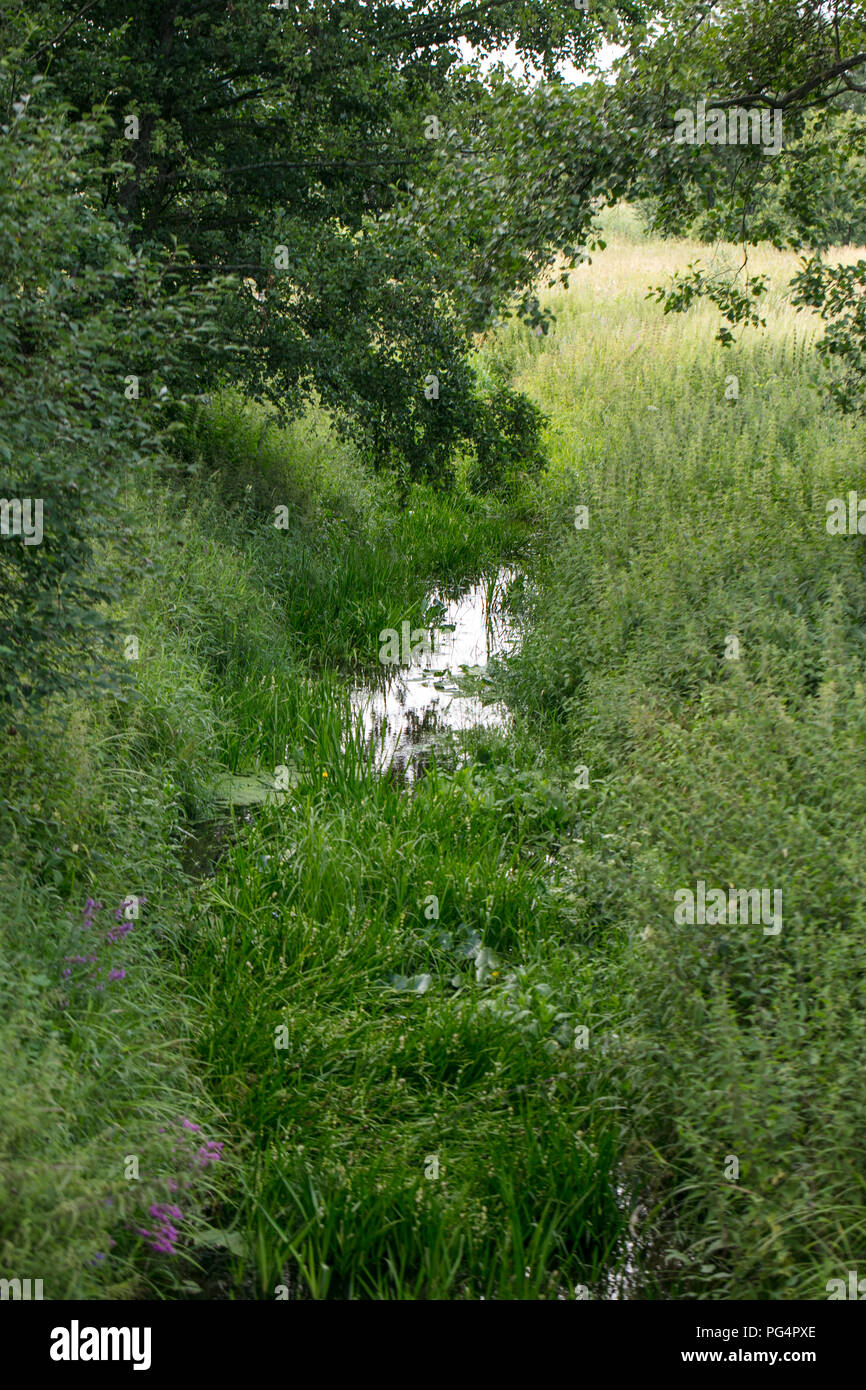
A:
{"x": 706, "y": 522}
{"x": 451, "y": 1041}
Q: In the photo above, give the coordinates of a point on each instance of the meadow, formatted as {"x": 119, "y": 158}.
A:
{"x": 545, "y": 1088}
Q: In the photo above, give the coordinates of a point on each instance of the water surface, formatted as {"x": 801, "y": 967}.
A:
{"x": 414, "y": 705}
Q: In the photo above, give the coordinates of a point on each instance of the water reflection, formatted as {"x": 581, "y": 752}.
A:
{"x": 404, "y": 715}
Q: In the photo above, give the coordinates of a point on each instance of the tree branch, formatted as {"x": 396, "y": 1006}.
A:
{"x": 804, "y": 89}
{"x": 57, "y": 37}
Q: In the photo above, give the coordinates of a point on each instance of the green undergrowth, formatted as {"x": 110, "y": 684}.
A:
{"x": 699, "y": 646}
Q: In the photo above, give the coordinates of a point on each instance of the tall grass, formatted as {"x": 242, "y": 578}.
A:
{"x": 707, "y": 520}
{"x": 99, "y": 1073}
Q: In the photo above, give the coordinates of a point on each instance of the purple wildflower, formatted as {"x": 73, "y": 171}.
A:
{"x": 161, "y": 1210}
{"x": 117, "y": 933}
{"x": 164, "y": 1236}
{"x": 211, "y": 1152}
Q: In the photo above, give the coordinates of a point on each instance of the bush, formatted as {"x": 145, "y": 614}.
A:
{"x": 84, "y": 326}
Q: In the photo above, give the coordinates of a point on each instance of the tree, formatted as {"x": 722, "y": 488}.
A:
{"x": 802, "y": 64}
{"x": 273, "y": 141}
{"x": 541, "y": 161}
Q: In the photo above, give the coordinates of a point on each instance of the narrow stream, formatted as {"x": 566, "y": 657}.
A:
{"x": 414, "y": 706}
{"x": 418, "y": 702}
{"x": 404, "y": 713}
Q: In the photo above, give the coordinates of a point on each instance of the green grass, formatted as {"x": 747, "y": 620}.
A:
{"x": 404, "y": 1110}
{"x": 320, "y": 904}
{"x": 707, "y": 518}
{"x": 317, "y": 923}
{"x": 96, "y": 1080}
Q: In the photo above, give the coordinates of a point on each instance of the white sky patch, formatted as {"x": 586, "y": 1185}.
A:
{"x": 605, "y": 58}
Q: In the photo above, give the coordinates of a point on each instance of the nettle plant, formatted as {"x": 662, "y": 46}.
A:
{"x": 532, "y": 1008}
